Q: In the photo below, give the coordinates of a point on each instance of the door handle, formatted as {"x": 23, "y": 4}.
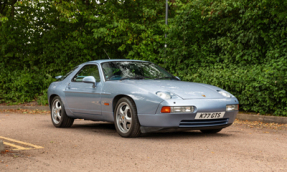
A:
{"x": 69, "y": 86}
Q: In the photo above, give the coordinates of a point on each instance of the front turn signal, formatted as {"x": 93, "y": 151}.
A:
{"x": 165, "y": 109}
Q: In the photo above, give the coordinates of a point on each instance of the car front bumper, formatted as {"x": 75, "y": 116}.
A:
{"x": 182, "y": 120}
{"x": 187, "y": 120}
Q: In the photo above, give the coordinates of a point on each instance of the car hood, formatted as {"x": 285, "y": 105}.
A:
{"x": 185, "y": 90}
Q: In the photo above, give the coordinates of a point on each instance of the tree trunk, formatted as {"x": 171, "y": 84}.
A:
{"x": 13, "y": 8}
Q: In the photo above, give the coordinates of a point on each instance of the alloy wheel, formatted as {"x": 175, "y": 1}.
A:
{"x": 124, "y": 117}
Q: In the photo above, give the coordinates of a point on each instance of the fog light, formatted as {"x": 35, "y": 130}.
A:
{"x": 188, "y": 109}
{"x": 232, "y": 107}
{"x": 182, "y": 109}
{"x": 176, "y": 109}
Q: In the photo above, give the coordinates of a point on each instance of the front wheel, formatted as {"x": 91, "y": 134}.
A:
{"x": 58, "y": 114}
{"x": 125, "y": 118}
{"x": 211, "y": 131}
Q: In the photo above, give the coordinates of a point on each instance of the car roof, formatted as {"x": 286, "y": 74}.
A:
{"x": 113, "y": 60}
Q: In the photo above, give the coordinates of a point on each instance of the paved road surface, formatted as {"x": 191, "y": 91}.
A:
{"x": 95, "y": 146}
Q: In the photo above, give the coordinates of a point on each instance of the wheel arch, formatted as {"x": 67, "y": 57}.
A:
{"x": 118, "y": 97}
{"x": 51, "y": 98}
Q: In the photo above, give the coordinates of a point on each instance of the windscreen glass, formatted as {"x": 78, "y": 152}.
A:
{"x": 134, "y": 70}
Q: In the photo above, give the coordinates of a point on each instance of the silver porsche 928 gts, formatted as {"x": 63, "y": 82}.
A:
{"x": 138, "y": 97}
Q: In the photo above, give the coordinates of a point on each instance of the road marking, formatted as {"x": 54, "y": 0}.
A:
{"x": 31, "y": 146}
{"x": 16, "y": 146}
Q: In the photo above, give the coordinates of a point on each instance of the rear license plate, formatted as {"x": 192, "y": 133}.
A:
{"x": 209, "y": 115}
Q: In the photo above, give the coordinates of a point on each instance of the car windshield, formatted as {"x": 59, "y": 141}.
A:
{"x": 134, "y": 70}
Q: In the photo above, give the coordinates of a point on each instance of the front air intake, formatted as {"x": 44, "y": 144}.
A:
{"x": 203, "y": 123}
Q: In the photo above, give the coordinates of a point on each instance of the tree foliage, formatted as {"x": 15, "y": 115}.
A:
{"x": 41, "y": 39}
{"x": 239, "y": 45}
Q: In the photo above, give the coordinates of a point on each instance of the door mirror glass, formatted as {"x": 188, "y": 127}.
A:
{"x": 58, "y": 77}
{"x": 178, "y": 78}
{"x": 90, "y": 79}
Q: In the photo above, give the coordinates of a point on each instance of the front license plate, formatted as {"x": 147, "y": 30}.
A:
{"x": 209, "y": 115}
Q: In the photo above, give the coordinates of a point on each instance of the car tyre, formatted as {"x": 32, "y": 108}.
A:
{"x": 213, "y": 131}
{"x": 126, "y": 119}
{"x": 58, "y": 114}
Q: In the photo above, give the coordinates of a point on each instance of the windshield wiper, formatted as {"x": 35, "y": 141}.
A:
{"x": 167, "y": 77}
{"x": 138, "y": 77}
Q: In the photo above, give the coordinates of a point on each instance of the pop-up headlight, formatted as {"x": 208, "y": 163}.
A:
{"x": 224, "y": 93}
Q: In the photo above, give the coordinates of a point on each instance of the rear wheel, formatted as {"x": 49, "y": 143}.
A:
{"x": 58, "y": 114}
{"x": 211, "y": 131}
{"x": 125, "y": 118}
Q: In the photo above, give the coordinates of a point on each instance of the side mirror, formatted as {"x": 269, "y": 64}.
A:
{"x": 90, "y": 79}
{"x": 59, "y": 77}
{"x": 178, "y": 78}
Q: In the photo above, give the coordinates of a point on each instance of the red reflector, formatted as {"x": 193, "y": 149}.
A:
{"x": 165, "y": 109}
{"x": 238, "y": 107}
{"x": 107, "y": 104}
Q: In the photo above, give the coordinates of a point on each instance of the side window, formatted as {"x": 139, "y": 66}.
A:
{"x": 88, "y": 70}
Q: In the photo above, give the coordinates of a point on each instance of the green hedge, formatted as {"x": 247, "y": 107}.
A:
{"x": 259, "y": 88}
{"x": 40, "y": 40}
{"x": 238, "y": 45}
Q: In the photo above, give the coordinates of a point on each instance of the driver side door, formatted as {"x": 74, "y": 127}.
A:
{"x": 82, "y": 99}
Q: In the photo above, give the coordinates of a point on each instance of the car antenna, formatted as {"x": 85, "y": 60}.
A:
{"x": 107, "y": 54}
